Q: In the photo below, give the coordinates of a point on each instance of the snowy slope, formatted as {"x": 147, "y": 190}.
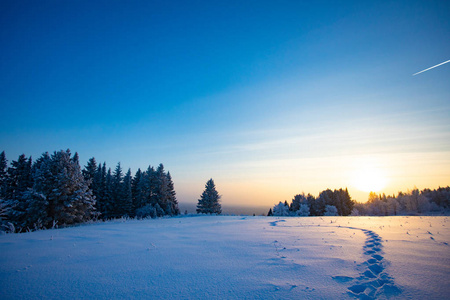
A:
{"x": 222, "y": 257}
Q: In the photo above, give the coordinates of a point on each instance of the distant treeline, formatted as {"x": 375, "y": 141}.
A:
{"x": 55, "y": 191}
{"x": 335, "y": 203}
{"x": 412, "y": 202}
{"x": 339, "y": 203}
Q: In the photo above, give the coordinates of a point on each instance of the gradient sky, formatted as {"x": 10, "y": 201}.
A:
{"x": 269, "y": 98}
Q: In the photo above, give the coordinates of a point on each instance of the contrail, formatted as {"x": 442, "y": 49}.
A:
{"x": 432, "y": 67}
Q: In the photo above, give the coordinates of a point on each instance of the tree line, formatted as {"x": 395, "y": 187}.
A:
{"x": 335, "y": 203}
{"x": 413, "y": 202}
{"x": 54, "y": 191}
{"x": 339, "y": 203}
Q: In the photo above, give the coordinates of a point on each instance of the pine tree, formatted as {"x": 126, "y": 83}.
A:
{"x": 146, "y": 188}
{"x": 126, "y": 203}
{"x": 19, "y": 177}
{"x": 89, "y": 173}
{"x": 108, "y": 196}
{"x": 310, "y": 200}
{"x": 117, "y": 192}
{"x": 347, "y": 203}
{"x": 60, "y": 184}
{"x": 295, "y": 204}
{"x": 172, "y": 196}
{"x": 281, "y": 209}
{"x": 161, "y": 190}
{"x": 3, "y": 174}
{"x": 99, "y": 188}
{"x": 209, "y": 200}
{"x": 19, "y": 181}
{"x": 39, "y": 207}
{"x": 150, "y": 191}
{"x": 270, "y": 213}
{"x": 135, "y": 190}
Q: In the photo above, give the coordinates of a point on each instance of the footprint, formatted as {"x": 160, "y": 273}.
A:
{"x": 372, "y": 261}
{"x": 376, "y": 268}
{"x": 369, "y": 274}
{"x": 342, "y": 279}
{"x": 274, "y": 223}
{"x": 358, "y": 288}
{"x": 378, "y": 257}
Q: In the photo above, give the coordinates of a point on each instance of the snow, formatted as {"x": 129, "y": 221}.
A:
{"x": 224, "y": 257}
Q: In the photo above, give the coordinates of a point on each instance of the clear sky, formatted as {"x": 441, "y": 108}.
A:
{"x": 269, "y": 98}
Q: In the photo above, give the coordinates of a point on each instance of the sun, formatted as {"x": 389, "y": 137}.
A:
{"x": 369, "y": 179}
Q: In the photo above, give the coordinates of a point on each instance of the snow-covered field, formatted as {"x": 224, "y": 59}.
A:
{"x": 221, "y": 257}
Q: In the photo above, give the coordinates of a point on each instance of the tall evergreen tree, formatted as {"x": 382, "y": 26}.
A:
{"x": 3, "y": 173}
{"x": 148, "y": 187}
{"x": 135, "y": 189}
{"x": 295, "y": 204}
{"x": 172, "y": 196}
{"x": 19, "y": 177}
{"x": 126, "y": 202}
{"x": 89, "y": 173}
{"x": 108, "y": 206}
{"x": 209, "y": 200}
{"x": 161, "y": 194}
{"x": 117, "y": 192}
{"x": 99, "y": 188}
{"x": 310, "y": 200}
{"x": 19, "y": 181}
{"x": 60, "y": 181}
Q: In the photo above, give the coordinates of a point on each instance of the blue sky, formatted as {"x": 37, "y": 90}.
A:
{"x": 270, "y": 98}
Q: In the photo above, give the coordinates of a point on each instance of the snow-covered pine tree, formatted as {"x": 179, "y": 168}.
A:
{"x": 135, "y": 190}
{"x": 209, "y": 200}
{"x": 311, "y": 201}
{"x": 295, "y": 204}
{"x": 3, "y": 168}
{"x": 3, "y": 204}
{"x": 324, "y": 199}
{"x": 117, "y": 192}
{"x": 146, "y": 188}
{"x": 19, "y": 177}
{"x": 89, "y": 172}
{"x": 161, "y": 190}
{"x": 172, "y": 196}
{"x": 38, "y": 206}
{"x": 126, "y": 203}
{"x": 19, "y": 181}
{"x": 99, "y": 184}
{"x": 60, "y": 181}
{"x": 281, "y": 209}
{"x": 108, "y": 196}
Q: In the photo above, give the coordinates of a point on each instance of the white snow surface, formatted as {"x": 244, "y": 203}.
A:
{"x": 230, "y": 257}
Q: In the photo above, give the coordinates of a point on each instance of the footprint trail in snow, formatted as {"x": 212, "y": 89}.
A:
{"x": 374, "y": 280}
